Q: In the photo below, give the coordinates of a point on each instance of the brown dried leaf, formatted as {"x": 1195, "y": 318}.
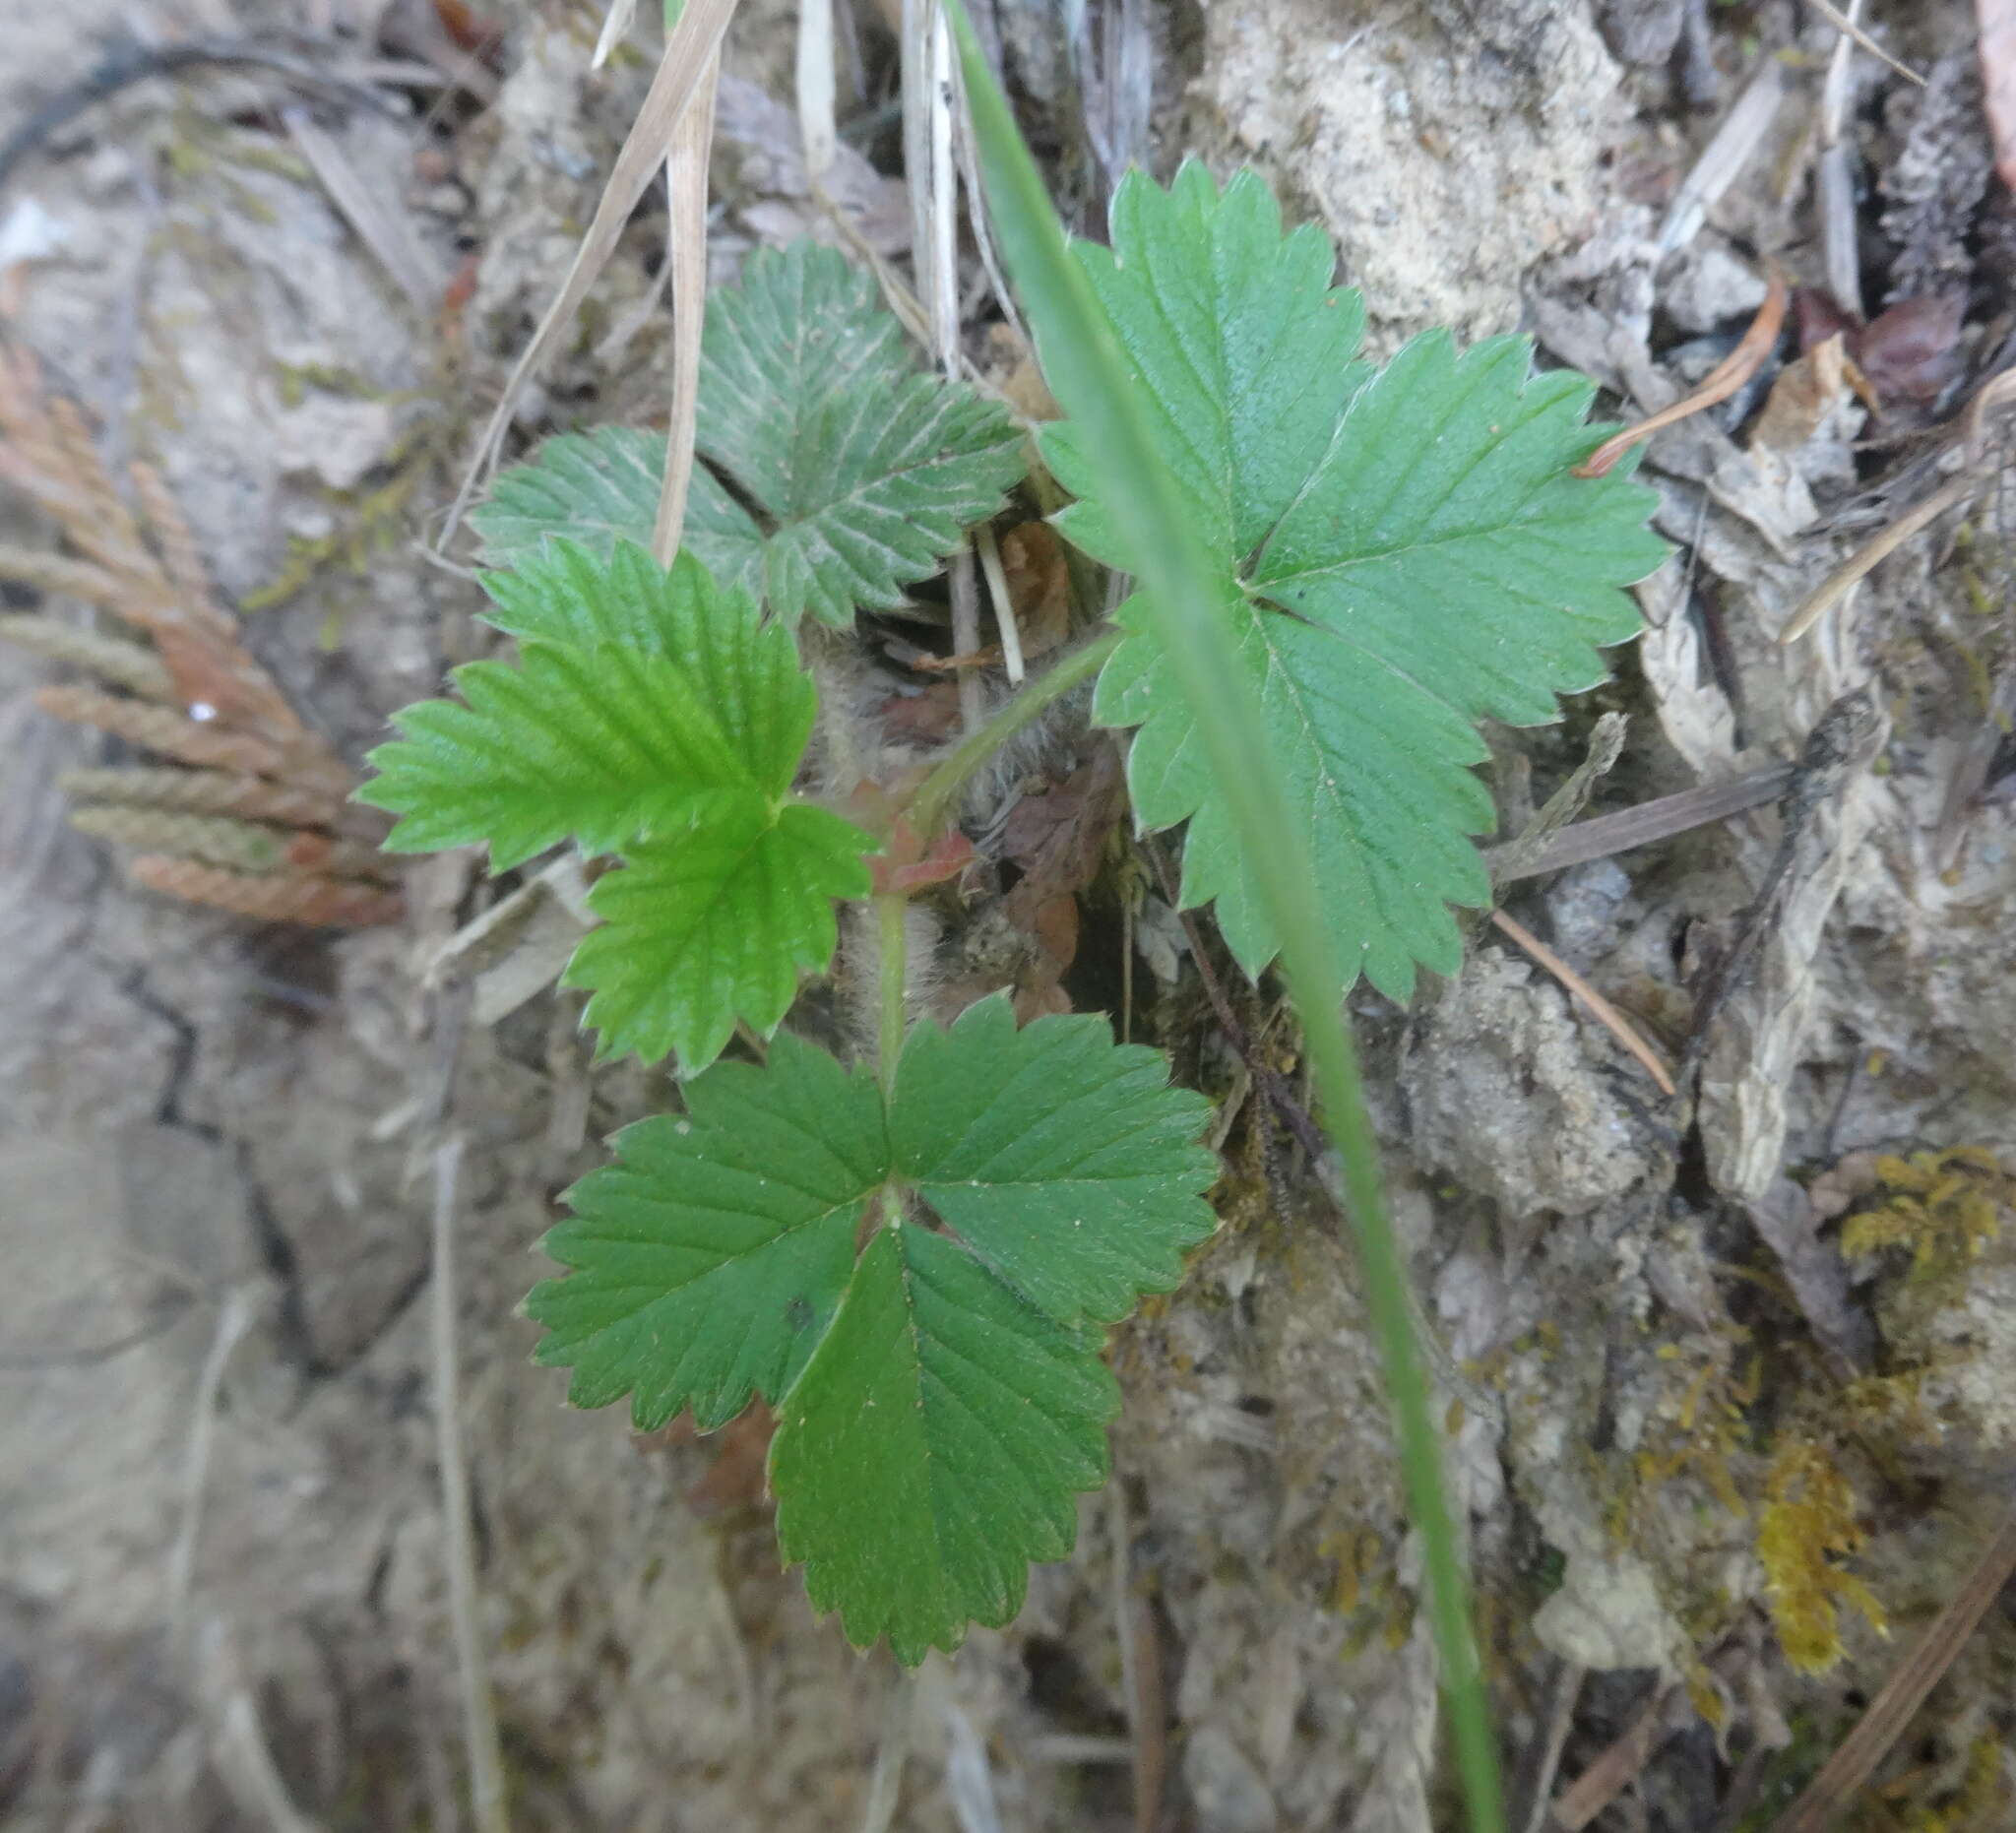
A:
{"x": 1039, "y": 585}
{"x": 1058, "y": 840}
{"x": 1803, "y": 396}
{"x": 1912, "y": 351}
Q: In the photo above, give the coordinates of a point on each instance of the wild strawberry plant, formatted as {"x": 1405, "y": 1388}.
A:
{"x": 915, "y": 1257}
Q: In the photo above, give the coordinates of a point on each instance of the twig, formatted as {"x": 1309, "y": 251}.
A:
{"x": 1605, "y": 1014}
{"x": 1893, "y": 1709}
{"x": 1548, "y": 1757}
{"x": 1140, "y": 1688}
{"x": 1865, "y": 559}
{"x": 1643, "y": 826}
{"x": 1607, "y": 1778}
{"x": 1971, "y": 429}
{"x": 1846, "y": 27}
{"x": 1720, "y": 384}
{"x": 239, "y": 1750}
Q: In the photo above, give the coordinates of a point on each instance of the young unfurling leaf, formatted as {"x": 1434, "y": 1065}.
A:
{"x": 1403, "y": 555}
{"x": 940, "y": 1397}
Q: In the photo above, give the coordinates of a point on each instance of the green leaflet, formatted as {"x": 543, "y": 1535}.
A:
{"x": 1403, "y": 554}
{"x": 714, "y": 927}
{"x": 654, "y": 715}
{"x": 934, "y": 1446}
{"x": 940, "y": 1397}
{"x": 709, "y": 1258}
{"x": 864, "y": 472}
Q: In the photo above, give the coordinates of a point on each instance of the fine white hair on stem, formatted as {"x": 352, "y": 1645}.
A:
{"x": 859, "y": 981}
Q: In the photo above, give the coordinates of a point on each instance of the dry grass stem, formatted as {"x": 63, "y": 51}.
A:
{"x": 686, "y": 163}
{"x": 682, "y": 70}
{"x": 1600, "y": 1008}
{"x": 1719, "y": 384}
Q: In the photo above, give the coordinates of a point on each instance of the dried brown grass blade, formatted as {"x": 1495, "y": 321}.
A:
{"x": 686, "y": 191}
{"x": 687, "y": 54}
{"x": 1851, "y": 573}
{"x": 1600, "y": 1008}
{"x": 1846, "y": 27}
{"x": 1720, "y": 384}
{"x": 1892, "y": 1710}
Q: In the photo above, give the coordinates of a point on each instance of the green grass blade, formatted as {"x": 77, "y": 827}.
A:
{"x": 1089, "y": 374}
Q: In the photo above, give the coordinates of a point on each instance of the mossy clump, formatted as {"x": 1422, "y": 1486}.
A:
{"x": 1805, "y": 1529}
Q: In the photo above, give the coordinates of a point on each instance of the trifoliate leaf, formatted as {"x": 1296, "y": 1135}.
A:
{"x": 1405, "y": 554}
{"x": 933, "y": 1447}
{"x": 653, "y": 715}
{"x": 929, "y": 1446}
{"x": 862, "y": 473}
{"x": 709, "y": 1258}
{"x": 715, "y": 925}
{"x": 1065, "y": 1162}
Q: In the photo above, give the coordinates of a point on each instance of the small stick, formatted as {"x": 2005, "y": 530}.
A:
{"x": 1643, "y": 826}
{"x": 1852, "y": 572}
{"x": 1560, "y": 1721}
{"x": 1605, "y": 1014}
{"x": 1140, "y": 1688}
{"x": 1997, "y": 392}
{"x": 1605, "y": 1780}
{"x": 1841, "y": 23}
{"x": 1721, "y": 382}
{"x": 233, "y": 1321}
